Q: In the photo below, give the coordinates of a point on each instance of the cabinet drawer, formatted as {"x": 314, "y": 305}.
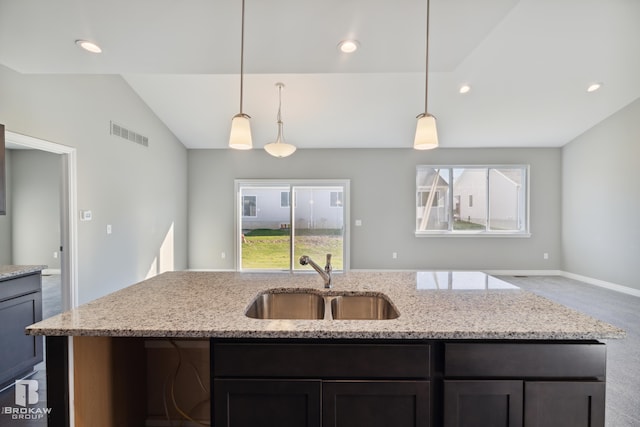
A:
{"x": 20, "y": 285}
{"x": 525, "y": 360}
{"x": 320, "y": 360}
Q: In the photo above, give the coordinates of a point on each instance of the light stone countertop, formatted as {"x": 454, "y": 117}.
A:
{"x": 11, "y": 271}
{"x": 432, "y": 305}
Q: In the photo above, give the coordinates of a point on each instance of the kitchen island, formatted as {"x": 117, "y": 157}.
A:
{"x": 490, "y": 350}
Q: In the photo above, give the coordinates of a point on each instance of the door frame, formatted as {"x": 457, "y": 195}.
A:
{"x": 69, "y": 223}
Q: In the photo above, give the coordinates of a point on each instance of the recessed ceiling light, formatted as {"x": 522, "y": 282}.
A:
{"x": 348, "y": 46}
{"x": 89, "y": 46}
{"x": 594, "y": 87}
{"x": 465, "y": 88}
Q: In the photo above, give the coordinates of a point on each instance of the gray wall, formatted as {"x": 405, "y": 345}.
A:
{"x": 35, "y": 207}
{"x": 601, "y": 200}
{"x": 5, "y": 220}
{"x": 383, "y": 197}
{"x": 141, "y": 192}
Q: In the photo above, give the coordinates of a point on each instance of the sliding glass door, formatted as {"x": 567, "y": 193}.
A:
{"x": 278, "y": 221}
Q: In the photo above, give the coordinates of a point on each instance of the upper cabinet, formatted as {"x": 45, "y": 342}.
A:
{"x": 3, "y": 186}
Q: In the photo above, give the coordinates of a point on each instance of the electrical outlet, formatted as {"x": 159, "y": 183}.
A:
{"x": 394, "y": 255}
{"x": 223, "y": 255}
{"x": 109, "y": 229}
{"x": 55, "y": 254}
{"x": 545, "y": 255}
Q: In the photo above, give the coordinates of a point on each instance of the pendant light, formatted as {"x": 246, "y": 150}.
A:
{"x": 240, "y": 137}
{"x": 280, "y": 148}
{"x": 426, "y": 132}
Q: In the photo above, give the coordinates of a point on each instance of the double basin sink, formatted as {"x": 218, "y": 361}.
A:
{"x": 307, "y": 304}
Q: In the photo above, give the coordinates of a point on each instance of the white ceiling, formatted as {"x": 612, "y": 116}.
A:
{"x": 528, "y": 62}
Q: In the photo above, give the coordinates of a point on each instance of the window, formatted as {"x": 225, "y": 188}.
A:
{"x": 284, "y": 199}
{"x": 313, "y": 222}
{"x": 496, "y": 200}
{"x": 249, "y": 206}
{"x": 336, "y": 199}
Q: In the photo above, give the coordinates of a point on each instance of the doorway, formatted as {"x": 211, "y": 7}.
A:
{"x": 68, "y": 203}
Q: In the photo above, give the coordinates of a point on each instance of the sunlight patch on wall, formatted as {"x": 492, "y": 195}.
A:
{"x": 164, "y": 261}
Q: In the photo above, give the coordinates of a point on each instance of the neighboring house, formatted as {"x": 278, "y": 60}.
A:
{"x": 436, "y": 213}
{"x": 505, "y": 199}
{"x": 270, "y": 208}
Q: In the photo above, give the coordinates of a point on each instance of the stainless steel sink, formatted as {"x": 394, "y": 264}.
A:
{"x": 302, "y": 304}
{"x": 287, "y": 305}
{"x": 362, "y": 307}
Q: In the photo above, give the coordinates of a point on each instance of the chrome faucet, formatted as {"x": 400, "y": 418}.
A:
{"x": 325, "y": 274}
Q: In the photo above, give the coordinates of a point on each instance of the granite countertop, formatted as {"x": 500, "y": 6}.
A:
{"x": 432, "y": 305}
{"x": 11, "y": 271}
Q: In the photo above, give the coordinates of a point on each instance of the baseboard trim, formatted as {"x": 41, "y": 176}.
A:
{"x": 524, "y": 272}
{"x": 602, "y": 283}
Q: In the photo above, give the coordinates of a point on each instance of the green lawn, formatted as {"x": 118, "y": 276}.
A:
{"x": 269, "y": 249}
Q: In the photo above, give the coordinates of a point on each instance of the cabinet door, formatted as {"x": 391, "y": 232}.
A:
{"x": 19, "y": 352}
{"x": 564, "y": 404}
{"x": 266, "y": 403}
{"x": 483, "y": 403}
{"x": 376, "y": 403}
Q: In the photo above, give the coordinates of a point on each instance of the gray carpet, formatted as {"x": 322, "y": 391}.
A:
{"x": 623, "y": 356}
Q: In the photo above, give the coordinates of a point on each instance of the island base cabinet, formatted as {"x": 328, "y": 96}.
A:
{"x": 524, "y": 403}
{"x": 564, "y": 404}
{"x": 375, "y": 403}
{"x": 268, "y": 403}
{"x": 483, "y": 403}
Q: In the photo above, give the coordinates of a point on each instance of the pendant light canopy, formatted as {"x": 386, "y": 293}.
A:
{"x": 240, "y": 137}
{"x": 280, "y": 148}
{"x": 426, "y": 132}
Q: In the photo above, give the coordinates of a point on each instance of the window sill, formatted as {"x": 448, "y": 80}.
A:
{"x": 482, "y": 234}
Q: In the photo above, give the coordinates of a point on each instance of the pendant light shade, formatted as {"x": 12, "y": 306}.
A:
{"x": 279, "y": 148}
{"x": 426, "y": 132}
{"x": 240, "y": 136}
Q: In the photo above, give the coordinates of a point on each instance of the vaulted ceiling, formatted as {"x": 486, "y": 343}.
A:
{"x": 528, "y": 63}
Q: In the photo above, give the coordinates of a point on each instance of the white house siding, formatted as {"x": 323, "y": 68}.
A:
{"x": 503, "y": 201}
{"x": 468, "y": 184}
{"x": 312, "y": 209}
{"x": 503, "y": 204}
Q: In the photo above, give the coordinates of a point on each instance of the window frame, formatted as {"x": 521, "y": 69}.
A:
{"x": 255, "y": 199}
{"x": 291, "y": 183}
{"x": 451, "y": 232}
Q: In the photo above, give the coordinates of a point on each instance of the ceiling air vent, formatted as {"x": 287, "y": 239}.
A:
{"x": 128, "y": 134}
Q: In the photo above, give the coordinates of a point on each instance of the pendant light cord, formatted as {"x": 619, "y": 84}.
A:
{"x": 426, "y": 72}
{"x": 279, "y": 118}
{"x": 242, "y": 57}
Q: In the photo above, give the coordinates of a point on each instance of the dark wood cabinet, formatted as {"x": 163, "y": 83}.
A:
{"x": 268, "y": 403}
{"x": 376, "y": 403}
{"x": 332, "y": 383}
{"x": 556, "y": 385}
{"x": 483, "y": 403}
{"x": 564, "y": 404}
{"x": 20, "y": 306}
